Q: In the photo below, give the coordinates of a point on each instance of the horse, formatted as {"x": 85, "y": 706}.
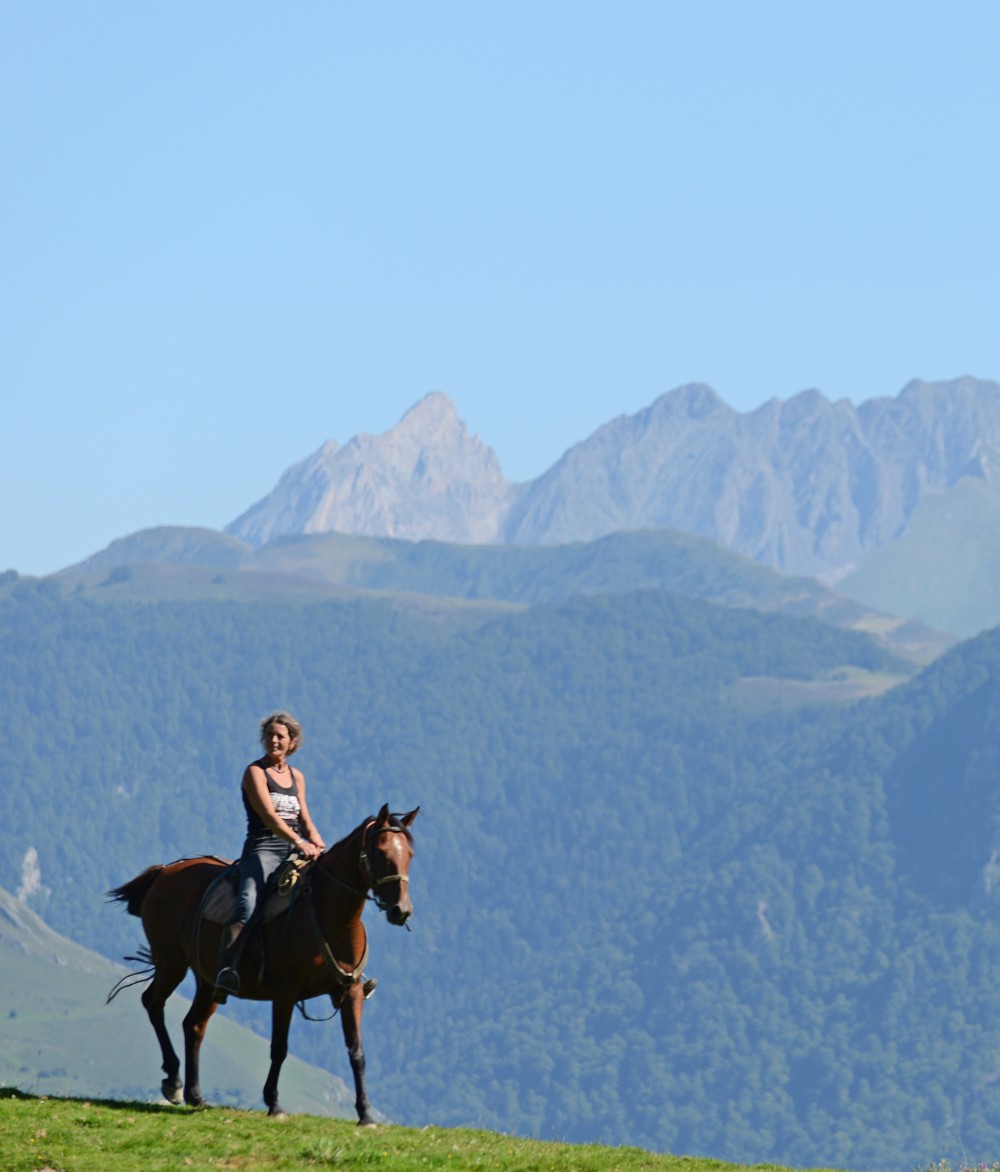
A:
{"x": 317, "y": 947}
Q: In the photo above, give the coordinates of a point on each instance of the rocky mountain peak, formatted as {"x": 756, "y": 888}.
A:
{"x": 430, "y": 420}
{"x": 426, "y": 477}
{"x": 694, "y": 400}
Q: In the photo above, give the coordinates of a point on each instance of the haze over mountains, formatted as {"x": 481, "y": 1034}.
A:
{"x": 895, "y": 503}
{"x": 807, "y": 485}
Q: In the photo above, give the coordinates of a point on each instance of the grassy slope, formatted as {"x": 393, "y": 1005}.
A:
{"x": 944, "y": 569}
{"x": 53, "y": 1011}
{"x": 179, "y": 563}
{"x": 81, "y": 1136}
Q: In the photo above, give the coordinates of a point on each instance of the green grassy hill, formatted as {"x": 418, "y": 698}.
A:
{"x": 200, "y": 564}
{"x": 59, "y": 1037}
{"x": 944, "y": 570}
{"x": 121, "y": 1136}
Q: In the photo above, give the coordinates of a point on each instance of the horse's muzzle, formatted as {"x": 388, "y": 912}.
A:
{"x": 399, "y": 913}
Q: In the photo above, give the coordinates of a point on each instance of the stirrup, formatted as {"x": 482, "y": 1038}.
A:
{"x": 228, "y": 981}
{"x": 368, "y": 988}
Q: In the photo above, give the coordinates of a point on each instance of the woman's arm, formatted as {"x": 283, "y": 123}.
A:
{"x": 306, "y": 822}
{"x": 258, "y": 795}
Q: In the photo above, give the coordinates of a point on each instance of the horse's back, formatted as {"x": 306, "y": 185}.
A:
{"x": 200, "y": 868}
{"x": 186, "y": 876}
{"x": 164, "y": 890}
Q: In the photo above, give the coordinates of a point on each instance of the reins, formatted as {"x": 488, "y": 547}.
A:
{"x": 344, "y": 976}
{"x": 373, "y": 882}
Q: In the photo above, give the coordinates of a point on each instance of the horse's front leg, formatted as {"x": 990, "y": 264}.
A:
{"x": 195, "y": 1023}
{"x": 281, "y": 1019}
{"x": 351, "y": 1004}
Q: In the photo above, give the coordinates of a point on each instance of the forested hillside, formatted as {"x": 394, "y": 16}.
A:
{"x": 176, "y": 562}
{"x": 643, "y": 913}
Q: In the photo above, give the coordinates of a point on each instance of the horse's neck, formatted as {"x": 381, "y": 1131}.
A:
{"x": 342, "y": 865}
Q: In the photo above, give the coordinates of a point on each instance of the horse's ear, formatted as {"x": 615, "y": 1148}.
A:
{"x": 383, "y": 816}
{"x": 408, "y": 818}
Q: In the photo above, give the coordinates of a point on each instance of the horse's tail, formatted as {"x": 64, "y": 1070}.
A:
{"x": 134, "y": 891}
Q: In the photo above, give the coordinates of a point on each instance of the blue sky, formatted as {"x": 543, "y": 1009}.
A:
{"x": 233, "y": 231}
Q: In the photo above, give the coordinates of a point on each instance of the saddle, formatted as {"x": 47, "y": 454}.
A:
{"x": 219, "y": 902}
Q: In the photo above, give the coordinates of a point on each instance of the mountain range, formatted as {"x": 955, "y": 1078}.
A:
{"x": 807, "y": 486}
{"x": 895, "y": 503}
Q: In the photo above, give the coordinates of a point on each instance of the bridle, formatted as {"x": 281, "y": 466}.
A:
{"x": 373, "y": 881}
{"x": 348, "y": 976}
{"x": 351, "y": 976}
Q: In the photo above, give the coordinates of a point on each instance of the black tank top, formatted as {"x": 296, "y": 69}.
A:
{"x": 286, "y": 805}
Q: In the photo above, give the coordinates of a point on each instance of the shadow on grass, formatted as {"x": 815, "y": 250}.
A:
{"x": 134, "y": 1106}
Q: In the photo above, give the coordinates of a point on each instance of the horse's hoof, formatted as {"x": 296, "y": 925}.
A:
{"x": 367, "y": 1123}
{"x": 277, "y": 1113}
{"x": 173, "y": 1092}
{"x": 195, "y": 1101}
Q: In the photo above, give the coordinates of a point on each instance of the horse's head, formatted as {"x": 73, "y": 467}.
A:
{"x": 386, "y": 853}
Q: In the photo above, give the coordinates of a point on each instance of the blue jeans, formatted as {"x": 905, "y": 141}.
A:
{"x": 260, "y": 859}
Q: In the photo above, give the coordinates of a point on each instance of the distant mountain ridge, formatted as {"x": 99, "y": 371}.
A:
{"x": 180, "y": 563}
{"x": 806, "y": 485}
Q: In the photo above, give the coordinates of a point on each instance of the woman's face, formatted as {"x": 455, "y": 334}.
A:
{"x": 277, "y": 741}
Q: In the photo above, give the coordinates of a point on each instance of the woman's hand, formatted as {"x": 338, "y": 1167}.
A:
{"x": 307, "y": 848}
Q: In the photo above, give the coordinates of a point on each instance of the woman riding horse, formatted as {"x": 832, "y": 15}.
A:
{"x": 317, "y": 947}
{"x": 278, "y": 823}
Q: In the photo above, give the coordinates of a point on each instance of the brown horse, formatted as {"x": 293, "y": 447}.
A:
{"x": 318, "y": 947}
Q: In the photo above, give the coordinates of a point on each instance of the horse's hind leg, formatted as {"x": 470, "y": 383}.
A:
{"x": 154, "y": 998}
{"x": 195, "y": 1023}
{"x": 351, "y": 1005}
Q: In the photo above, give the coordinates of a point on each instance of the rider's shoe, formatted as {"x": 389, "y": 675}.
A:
{"x": 368, "y": 988}
{"x": 228, "y": 979}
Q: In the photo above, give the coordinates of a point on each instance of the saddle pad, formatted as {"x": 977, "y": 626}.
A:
{"x": 220, "y": 899}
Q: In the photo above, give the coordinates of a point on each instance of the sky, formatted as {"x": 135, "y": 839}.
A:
{"x": 233, "y": 231}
